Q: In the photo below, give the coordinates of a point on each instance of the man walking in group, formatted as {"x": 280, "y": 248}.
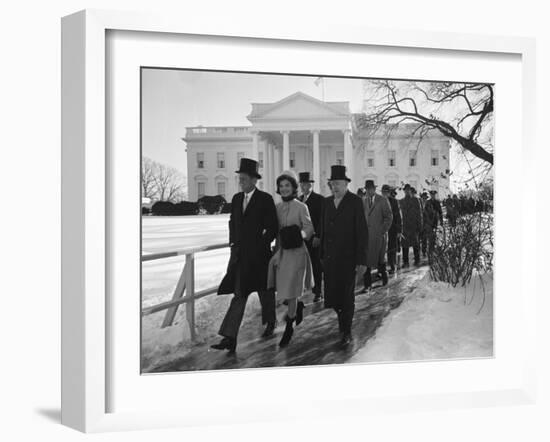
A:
{"x": 432, "y": 216}
{"x": 378, "y": 215}
{"x": 314, "y": 203}
{"x": 253, "y": 226}
{"x": 343, "y": 249}
{"x": 396, "y": 227}
{"x": 412, "y": 225}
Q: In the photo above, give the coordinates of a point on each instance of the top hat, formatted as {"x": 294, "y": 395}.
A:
{"x": 338, "y": 172}
{"x": 304, "y": 177}
{"x": 386, "y": 188}
{"x": 249, "y": 167}
{"x": 370, "y": 184}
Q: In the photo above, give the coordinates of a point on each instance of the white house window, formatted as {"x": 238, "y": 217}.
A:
{"x": 201, "y": 189}
{"x": 412, "y": 158}
{"x": 200, "y": 160}
{"x": 435, "y": 158}
{"x": 292, "y": 160}
{"x": 221, "y": 188}
{"x": 340, "y": 157}
{"x": 391, "y": 158}
{"x": 261, "y": 159}
{"x": 370, "y": 158}
{"x": 221, "y": 160}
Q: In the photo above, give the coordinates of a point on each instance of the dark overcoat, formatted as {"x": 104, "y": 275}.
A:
{"x": 250, "y": 234}
{"x": 397, "y": 222}
{"x": 315, "y": 204}
{"x": 411, "y": 209}
{"x": 344, "y": 238}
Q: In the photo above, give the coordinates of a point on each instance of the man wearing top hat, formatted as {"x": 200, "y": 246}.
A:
{"x": 396, "y": 227}
{"x": 343, "y": 249}
{"x": 253, "y": 226}
{"x": 411, "y": 211}
{"x": 314, "y": 203}
{"x": 378, "y": 215}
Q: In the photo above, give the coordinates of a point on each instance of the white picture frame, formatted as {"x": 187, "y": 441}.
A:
{"x": 85, "y": 261}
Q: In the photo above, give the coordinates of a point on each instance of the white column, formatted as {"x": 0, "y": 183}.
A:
{"x": 254, "y": 145}
{"x": 269, "y": 167}
{"x": 316, "y": 162}
{"x": 286, "y": 150}
{"x": 348, "y": 156}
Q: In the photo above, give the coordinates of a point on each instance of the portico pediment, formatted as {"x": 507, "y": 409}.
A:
{"x": 299, "y": 106}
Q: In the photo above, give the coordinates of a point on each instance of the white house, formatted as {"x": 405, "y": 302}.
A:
{"x": 303, "y": 133}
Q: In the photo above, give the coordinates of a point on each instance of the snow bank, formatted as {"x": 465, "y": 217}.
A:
{"x": 436, "y": 321}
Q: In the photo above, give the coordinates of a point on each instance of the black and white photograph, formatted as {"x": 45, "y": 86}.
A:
{"x": 307, "y": 220}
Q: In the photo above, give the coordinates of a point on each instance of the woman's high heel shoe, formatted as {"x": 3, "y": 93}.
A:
{"x": 289, "y": 330}
{"x": 299, "y": 312}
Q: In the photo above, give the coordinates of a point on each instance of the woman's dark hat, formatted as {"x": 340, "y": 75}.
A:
{"x": 369, "y": 184}
{"x": 304, "y": 178}
{"x": 250, "y": 167}
{"x": 338, "y": 172}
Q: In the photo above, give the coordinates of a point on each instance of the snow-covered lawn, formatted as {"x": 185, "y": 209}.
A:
{"x": 436, "y": 321}
{"x": 159, "y": 277}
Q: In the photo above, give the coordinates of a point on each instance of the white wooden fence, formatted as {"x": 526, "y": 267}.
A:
{"x": 184, "y": 292}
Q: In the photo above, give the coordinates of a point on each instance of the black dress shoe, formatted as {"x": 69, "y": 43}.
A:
{"x": 346, "y": 339}
{"x": 226, "y": 344}
{"x": 269, "y": 329}
{"x": 299, "y": 312}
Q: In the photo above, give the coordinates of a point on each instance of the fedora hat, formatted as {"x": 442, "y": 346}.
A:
{"x": 407, "y": 187}
{"x": 304, "y": 177}
{"x": 370, "y": 184}
{"x": 250, "y": 167}
{"x": 386, "y": 188}
{"x": 338, "y": 172}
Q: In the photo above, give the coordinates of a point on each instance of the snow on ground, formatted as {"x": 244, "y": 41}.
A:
{"x": 159, "y": 279}
{"x": 436, "y": 321}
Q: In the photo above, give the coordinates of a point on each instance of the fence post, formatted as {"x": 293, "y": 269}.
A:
{"x": 190, "y": 293}
{"x": 178, "y": 293}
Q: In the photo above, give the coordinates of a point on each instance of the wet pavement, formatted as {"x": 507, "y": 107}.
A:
{"x": 316, "y": 341}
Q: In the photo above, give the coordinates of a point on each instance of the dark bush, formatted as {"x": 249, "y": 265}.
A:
{"x": 186, "y": 208}
{"x": 226, "y": 208}
{"x": 145, "y": 210}
{"x": 211, "y": 204}
{"x": 164, "y": 208}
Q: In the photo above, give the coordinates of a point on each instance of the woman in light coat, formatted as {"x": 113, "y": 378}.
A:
{"x": 290, "y": 270}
